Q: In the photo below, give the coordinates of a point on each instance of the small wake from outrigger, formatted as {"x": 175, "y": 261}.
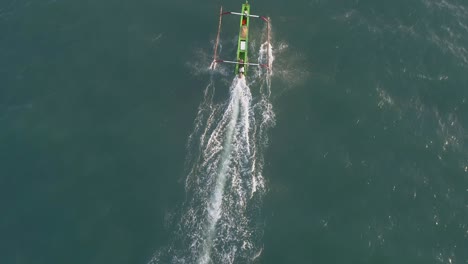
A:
{"x": 220, "y": 221}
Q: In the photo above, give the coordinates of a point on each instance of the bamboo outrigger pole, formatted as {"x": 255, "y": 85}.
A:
{"x": 213, "y": 64}
{"x": 268, "y": 46}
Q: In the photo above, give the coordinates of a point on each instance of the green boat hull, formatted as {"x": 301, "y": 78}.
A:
{"x": 243, "y": 42}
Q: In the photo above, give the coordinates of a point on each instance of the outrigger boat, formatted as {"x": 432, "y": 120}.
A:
{"x": 242, "y": 61}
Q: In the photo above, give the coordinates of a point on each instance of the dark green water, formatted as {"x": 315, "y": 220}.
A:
{"x": 367, "y": 162}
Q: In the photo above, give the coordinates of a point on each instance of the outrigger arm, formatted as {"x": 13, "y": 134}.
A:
{"x": 245, "y": 63}
{"x": 240, "y": 14}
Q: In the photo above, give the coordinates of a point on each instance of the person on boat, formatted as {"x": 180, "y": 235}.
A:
{"x": 244, "y": 18}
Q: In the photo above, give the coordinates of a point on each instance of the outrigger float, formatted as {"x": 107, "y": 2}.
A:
{"x": 242, "y": 61}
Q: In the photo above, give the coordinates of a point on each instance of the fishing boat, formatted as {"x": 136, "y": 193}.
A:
{"x": 242, "y": 60}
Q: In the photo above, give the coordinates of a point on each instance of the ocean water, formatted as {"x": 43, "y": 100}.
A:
{"x": 118, "y": 145}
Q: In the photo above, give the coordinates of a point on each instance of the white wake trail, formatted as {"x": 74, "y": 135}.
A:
{"x": 215, "y": 202}
{"x": 220, "y": 221}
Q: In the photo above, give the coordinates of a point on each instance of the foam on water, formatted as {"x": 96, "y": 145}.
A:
{"x": 240, "y": 102}
{"x": 220, "y": 221}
